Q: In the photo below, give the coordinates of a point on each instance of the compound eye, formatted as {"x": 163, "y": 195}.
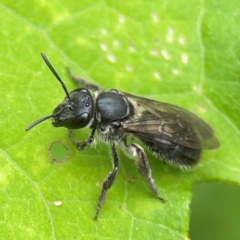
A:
{"x": 83, "y": 119}
{"x": 79, "y": 121}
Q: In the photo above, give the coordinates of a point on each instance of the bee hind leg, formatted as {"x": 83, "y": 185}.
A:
{"x": 142, "y": 165}
{"x": 82, "y": 82}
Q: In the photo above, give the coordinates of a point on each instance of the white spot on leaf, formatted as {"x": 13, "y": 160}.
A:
{"x": 156, "y": 75}
{"x": 155, "y": 17}
{"x": 57, "y": 203}
{"x": 103, "y": 46}
{"x": 111, "y": 58}
{"x": 116, "y": 43}
{"x": 165, "y": 54}
{"x": 184, "y": 58}
{"x": 181, "y": 40}
{"x": 121, "y": 19}
{"x": 195, "y": 88}
{"x": 175, "y": 71}
{"x": 129, "y": 68}
{"x": 153, "y": 52}
{"x": 132, "y": 49}
{"x": 104, "y": 31}
{"x": 169, "y": 36}
{"x": 97, "y": 184}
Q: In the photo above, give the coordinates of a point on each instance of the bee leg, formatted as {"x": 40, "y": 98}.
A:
{"x": 82, "y": 82}
{"x": 81, "y": 146}
{"x": 108, "y": 182}
{"x": 142, "y": 165}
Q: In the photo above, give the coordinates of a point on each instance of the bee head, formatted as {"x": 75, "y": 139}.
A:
{"x": 76, "y": 113}
{"x": 76, "y": 109}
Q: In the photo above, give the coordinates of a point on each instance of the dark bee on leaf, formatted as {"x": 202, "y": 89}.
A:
{"x": 171, "y": 133}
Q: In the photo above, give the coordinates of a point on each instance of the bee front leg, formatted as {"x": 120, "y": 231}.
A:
{"x": 81, "y": 146}
{"x": 108, "y": 182}
{"x": 142, "y": 165}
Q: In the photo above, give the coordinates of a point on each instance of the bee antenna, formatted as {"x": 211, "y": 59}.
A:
{"x": 37, "y": 122}
{"x": 55, "y": 74}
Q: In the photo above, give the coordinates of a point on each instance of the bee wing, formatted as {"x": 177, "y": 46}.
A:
{"x": 167, "y": 124}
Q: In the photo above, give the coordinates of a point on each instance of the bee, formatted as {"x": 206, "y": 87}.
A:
{"x": 171, "y": 133}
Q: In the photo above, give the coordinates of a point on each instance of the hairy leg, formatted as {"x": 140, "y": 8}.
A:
{"x": 82, "y": 82}
{"x": 81, "y": 146}
{"x": 108, "y": 182}
{"x": 142, "y": 165}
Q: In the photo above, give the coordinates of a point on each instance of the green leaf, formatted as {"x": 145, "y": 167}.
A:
{"x": 185, "y": 53}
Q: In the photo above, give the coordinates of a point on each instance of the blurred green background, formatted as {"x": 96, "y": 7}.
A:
{"x": 184, "y": 53}
{"x": 215, "y": 212}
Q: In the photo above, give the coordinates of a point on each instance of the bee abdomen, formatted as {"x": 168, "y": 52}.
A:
{"x": 174, "y": 154}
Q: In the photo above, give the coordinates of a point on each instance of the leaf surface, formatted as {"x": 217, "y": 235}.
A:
{"x": 184, "y": 53}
